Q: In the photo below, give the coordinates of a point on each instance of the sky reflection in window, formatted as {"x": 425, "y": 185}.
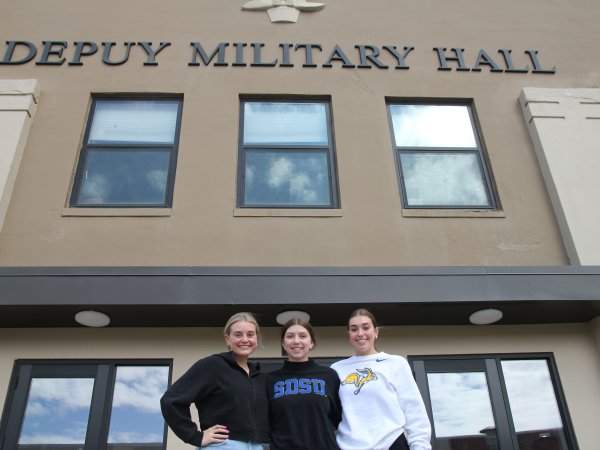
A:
{"x": 443, "y": 179}
{"x": 531, "y": 395}
{"x": 432, "y": 126}
{"x": 287, "y": 178}
{"x": 57, "y": 411}
{"x": 125, "y": 177}
{"x": 136, "y": 416}
{"x": 460, "y": 403}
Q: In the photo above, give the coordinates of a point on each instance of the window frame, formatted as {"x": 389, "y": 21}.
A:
{"x": 128, "y": 146}
{"x": 479, "y": 151}
{"x": 491, "y": 364}
{"x": 104, "y": 373}
{"x": 334, "y": 202}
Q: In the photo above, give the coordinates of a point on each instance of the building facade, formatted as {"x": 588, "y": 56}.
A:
{"x": 167, "y": 165}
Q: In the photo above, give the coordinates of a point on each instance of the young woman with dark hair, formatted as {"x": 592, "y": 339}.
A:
{"x": 382, "y": 406}
{"x": 304, "y": 406}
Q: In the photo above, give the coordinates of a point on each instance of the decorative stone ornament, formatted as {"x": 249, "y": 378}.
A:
{"x": 282, "y": 10}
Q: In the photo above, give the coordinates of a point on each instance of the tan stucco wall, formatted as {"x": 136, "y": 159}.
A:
{"x": 565, "y": 128}
{"x": 573, "y": 346}
{"x": 18, "y": 101}
{"x": 201, "y": 228}
{"x": 596, "y": 331}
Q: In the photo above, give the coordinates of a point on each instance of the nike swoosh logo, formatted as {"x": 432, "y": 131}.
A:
{"x": 379, "y": 360}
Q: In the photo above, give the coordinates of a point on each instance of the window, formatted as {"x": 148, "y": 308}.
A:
{"x": 498, "y": 402}
{"x": 440, "y": 157}
{"x": 86, "y": 404}
{"x": 286, "y": 157}
{"x": 129, "y": 153}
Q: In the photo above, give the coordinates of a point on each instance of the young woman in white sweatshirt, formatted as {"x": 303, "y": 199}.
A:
{"x": 382, "y": 408}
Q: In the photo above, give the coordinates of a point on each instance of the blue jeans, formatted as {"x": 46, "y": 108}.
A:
{"x": 230, "y": 444}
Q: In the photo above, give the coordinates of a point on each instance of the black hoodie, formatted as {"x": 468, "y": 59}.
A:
{"x": 304, "y": 406}
{"x": 224, "y": 394}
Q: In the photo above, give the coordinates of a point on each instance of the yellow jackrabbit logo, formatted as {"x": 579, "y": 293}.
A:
{"x": 359, "y": 378}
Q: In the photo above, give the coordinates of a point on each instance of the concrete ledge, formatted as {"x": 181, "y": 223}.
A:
{"x": 287, "y": 212}
{"x": 20, "y": 87}
{"x": 453, "y": 213}
{"x": 116, "y": 212}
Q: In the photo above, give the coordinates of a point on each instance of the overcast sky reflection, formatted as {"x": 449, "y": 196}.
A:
{"x": 443, "y": 179}
{"x": 460, "y": 403}
{"x": 432, "y": 126}
{"x": 531, "y": 395}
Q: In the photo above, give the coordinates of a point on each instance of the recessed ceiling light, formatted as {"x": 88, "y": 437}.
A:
{"x": 485, "y": 316}
{"x": 92, "y": 318}
{"x": 285, "y": 316}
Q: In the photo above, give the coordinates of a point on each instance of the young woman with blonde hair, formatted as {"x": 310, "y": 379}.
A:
{"x": 228, "y": 391}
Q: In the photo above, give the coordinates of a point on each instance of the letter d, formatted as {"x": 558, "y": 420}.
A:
{"x": 10, "y": 49}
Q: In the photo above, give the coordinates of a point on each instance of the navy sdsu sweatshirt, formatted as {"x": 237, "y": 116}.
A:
{"x": 223, "y": 394}
{"x": 304, "y": 406}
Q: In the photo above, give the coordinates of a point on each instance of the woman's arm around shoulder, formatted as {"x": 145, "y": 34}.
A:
{"x": 418, "y": 428}
{"x": 334, "y": 393}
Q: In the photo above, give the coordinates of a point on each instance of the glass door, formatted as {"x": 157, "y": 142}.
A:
{"x": 52, "y": 408}
{"x": 496, "y": 402}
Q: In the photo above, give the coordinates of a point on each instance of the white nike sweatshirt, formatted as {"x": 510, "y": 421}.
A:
{"x": 380, "y": 401}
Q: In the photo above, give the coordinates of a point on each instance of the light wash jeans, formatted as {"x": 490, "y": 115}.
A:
{"x": 230, "y": 444}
